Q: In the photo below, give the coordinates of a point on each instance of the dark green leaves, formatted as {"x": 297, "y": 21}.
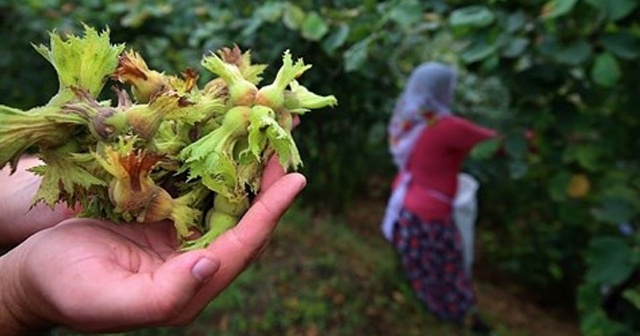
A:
{"x": 355, "y": 56}
{"x": 614, "y": 9}
{"x": 574, "y": 53}
{"x": 336, "y": 38}
{"x": 622, "y": 44}
{"x": 486, "y": 149}
{"x": 314, "y": 27}
{"x": 615, "y": 210}
{"x": 293, "y": 16}
{"x": 606, "y": 70}
{"x": 477, "y": 51}
{"x": 611, "y": 261}
{"x": 406, "y": 14}
{"x": 471, "y": 16}
{"x": 557, "y": 8}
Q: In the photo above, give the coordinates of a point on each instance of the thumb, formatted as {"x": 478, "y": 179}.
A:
{"x": 181, "y": 277}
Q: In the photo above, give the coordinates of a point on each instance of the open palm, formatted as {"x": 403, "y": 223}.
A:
{"x": 94, "y": 275}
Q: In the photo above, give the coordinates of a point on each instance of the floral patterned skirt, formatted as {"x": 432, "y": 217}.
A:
{"x": 431, "y": 254}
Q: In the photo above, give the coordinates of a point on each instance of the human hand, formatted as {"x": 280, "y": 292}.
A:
{"x": 94, "y": 276}
{"x": 18, "y": 221}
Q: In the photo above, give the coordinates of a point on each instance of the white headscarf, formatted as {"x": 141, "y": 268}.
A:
{"x": 429, "y": 89}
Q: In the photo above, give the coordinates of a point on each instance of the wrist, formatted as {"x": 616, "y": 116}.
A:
{"x": 16, "y": 317}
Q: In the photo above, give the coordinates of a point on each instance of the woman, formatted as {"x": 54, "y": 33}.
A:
{"x": 429, "y": 145}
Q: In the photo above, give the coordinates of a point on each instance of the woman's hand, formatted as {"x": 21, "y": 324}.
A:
{"x": 18, "y": 220}
{"x": 96, "y": 276}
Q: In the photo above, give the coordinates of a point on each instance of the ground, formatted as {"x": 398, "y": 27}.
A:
{"x": 500, "y": 301}
{"x": 325, "y": 275}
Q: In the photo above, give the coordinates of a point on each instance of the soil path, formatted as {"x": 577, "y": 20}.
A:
{"x": 506, "y": 304}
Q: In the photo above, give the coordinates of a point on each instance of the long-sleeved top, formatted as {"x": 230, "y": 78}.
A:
{"x": 435, "y": 162}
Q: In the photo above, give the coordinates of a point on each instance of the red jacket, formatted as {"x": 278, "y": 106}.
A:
{"x": 435, "y": 163}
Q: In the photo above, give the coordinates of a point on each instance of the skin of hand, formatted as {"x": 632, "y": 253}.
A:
{"x": 95, "y": 276}
{"x": 18, "y": 221}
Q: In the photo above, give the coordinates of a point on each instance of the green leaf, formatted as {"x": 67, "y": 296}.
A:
{"x": 588, "y": 297}
{"x": 270, "y": 11}
{"x": 515, "y": 22}
{"x": 623, "y": 44}
{"x": 589, "y": 157}
{"x": 217, "y": 183}
{"x": 84, "y": 62}
{"x": 471, "y": 16}
{"x": 614, "y": 9}
{"x": 615, "y": 210}
{"x": 336, "y": 38}
{"x": 43, "y": 126}
{"x": 478, "y": 51}
{"x": 597, "y": 323}
{"x": 300, "y": 99}
{"x": 251, "y": 26}
{"x": 515, "y": 47}
{"x": 573, "y": 54}
{"x": 406, "y": 14}
{"x": 633, "y": 296}
{"x": 355, "y": 56}
{"x": 264, "y": 130}
{"x": 314, "y": 27}
{"x": 558, "y": 184}
{"x": 609, "y": 260}
{"x": 517, "y": 169}
{"x": 293, "y": 16}
{"x": 556, "y": 271}
{"x": 606, "y": 71}
{"x": 63, "y": 180}
{"x": 486, "y": 149}
{"x": 284, "y": 146}
{"x": 516, "y": 145}
{"x": 557, "y": 8}
{"x": 257, "y": 139}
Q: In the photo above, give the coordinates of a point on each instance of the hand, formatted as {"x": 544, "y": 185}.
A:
{"x": 16, "y": 195}
{"x": 95, "y": 276}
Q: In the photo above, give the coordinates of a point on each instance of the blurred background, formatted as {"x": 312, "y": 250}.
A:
{"x": 557, "y": 247}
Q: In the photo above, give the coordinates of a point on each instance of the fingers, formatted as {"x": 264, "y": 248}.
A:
{"x": 121, "y": 300}
{"x": 295, "y": 120}
{"x": 258, "y": 223}
{"x": 237, "y": 247}
{"x": 253, "y": 230}
{"x": 272, "y": 172}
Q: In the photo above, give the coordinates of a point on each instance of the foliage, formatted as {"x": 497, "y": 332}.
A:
{"x": 565, "y": 69}
{"x": 578, "y": 94}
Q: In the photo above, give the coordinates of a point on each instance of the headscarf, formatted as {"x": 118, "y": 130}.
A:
{"x": 428, "y": 94}
{"x": 429, "y": 90}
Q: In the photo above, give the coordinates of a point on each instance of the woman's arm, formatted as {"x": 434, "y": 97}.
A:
{"x": 462, "y": 134}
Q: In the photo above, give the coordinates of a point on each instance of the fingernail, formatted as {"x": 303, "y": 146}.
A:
{"x": 204, "y": 269}
{"x": 302, "y": 180}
